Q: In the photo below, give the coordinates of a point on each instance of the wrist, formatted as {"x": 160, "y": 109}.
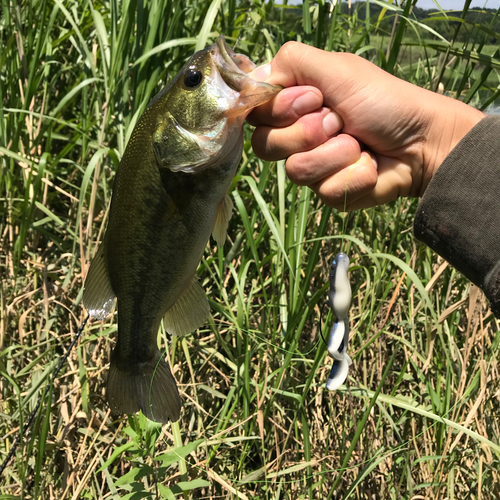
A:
{"x": 451, "y": 121}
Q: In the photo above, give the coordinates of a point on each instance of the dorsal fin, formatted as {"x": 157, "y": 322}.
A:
{"x": 222, "y": 217}
{"x": 98, "y": 295}
{"x": 189, "y": 312}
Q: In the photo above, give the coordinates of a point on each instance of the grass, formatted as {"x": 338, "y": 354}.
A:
{"x": 419, "y": 415}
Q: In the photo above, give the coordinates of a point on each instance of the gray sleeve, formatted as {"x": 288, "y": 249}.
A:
{"x": 459, "y": 215}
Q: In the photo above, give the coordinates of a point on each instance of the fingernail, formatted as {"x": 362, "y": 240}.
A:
{"x": 307, "y": 103}
{"x": 262, "y": 73}
{"x": 332, "y": 123}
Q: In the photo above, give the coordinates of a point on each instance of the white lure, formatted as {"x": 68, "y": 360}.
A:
{"x": 340, "y": 300}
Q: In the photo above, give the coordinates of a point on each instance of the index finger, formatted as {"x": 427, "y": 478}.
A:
{"x": 287, "y": 107}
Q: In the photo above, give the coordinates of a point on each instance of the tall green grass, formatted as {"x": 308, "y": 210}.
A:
{"x": 417, "y": 418}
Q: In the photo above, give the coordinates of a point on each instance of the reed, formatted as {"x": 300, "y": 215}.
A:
{"x": 418, "y": 415}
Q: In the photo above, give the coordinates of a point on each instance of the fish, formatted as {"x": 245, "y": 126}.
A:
{"x": 170, "y": 194}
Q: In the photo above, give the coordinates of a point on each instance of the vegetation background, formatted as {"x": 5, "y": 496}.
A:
{"x": 418, "y": 417}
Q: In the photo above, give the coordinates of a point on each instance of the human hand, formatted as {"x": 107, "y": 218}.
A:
{"x": 356, "y": 135}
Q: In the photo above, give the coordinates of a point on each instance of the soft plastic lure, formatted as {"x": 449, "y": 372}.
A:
{"x": 340, "y": 300}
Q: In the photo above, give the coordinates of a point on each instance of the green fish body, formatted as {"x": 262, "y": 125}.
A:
{"x": 169, "y": 195}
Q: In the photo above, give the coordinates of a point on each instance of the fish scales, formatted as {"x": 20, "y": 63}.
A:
{"x": 169, "y": 195}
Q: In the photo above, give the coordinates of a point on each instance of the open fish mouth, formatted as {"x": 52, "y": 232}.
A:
{"x": 233, "y": 68}
{"x": 238, "y": 61}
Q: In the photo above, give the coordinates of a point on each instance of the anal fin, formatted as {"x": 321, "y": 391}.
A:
{"x": 189, "y": 312}
{"x": 98, "y": 295}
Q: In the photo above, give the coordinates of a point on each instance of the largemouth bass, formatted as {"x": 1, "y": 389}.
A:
{"x": 169, "y": 195}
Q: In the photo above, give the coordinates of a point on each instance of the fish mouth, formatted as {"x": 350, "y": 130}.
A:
{"x": 234, "y": 69}
{"x": 238, "y": 62}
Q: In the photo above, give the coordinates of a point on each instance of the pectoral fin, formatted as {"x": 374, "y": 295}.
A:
{"x": 98, "y": 295}
{"x": 224, "y": 212}
{"x": 189, "y": 312}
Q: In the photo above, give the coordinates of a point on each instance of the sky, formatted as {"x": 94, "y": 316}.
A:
{"x": 457, "y": 4}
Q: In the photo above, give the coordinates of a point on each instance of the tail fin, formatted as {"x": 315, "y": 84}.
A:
{"x": 147, "y": 386}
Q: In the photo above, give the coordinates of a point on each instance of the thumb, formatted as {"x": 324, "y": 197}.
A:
{"x": 295, "y": 64}
{"x": 335, "y": 74}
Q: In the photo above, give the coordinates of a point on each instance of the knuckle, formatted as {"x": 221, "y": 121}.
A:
{"x": 347, "y": 56}
{"x": 266, "y": 145}
{"x": 298, "y": 170}
{"x": 288, "y": 49}
{"x": 291, "y": 53}
{"x": 309, "y": 139}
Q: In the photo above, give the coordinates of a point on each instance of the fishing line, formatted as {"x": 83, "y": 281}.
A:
{"x": 344, "y": 221}
{"x": 28, "y": 423}
{"x": 238, "y": 40}
{"x": 321, "y": 323}
{"x": 344, "y": 224}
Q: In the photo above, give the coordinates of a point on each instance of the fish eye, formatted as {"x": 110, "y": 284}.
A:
{"x": 193, "y": 79}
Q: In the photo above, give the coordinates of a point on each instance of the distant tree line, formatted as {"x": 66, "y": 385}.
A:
{"x": 487, "y": 18}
